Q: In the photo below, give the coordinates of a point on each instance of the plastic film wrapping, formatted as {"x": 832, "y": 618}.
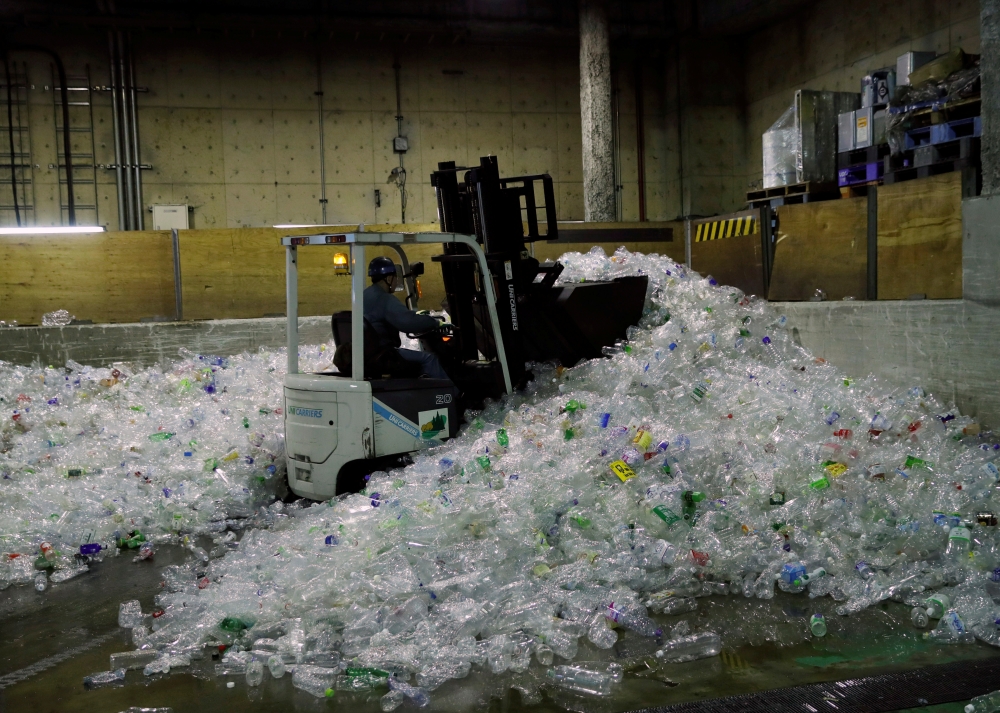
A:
{"x": 962, "y": 84}
{"x": 781, "y": 151}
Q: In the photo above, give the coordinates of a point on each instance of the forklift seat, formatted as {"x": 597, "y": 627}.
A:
{"x": 380, "y": 362}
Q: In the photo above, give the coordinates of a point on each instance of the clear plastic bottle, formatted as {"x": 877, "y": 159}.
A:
{"x": 544, "y": 655}
{"x": 958, "y": 545}
{"x": 416, "y": 696}
{"x": 315, "y": 680}
{"x": 988, "y": 703}
{"x": 937, "y": 604}
{"x": 130, "y": 660}
{"x": 600, "y": 634}
{"x": 255, "y": 673}
{"x": 104, "y": 678}
{"x": 632, "y": 617}
{"x": 276, "y": 665}
{"x": 585, "y": 678}
{"x": 130, "y": 614}
{"x": 865, "y": 570}
{"x": 391, "y": 701}
{"x": 817, "y": 625}
{"x": 691, "y": 648}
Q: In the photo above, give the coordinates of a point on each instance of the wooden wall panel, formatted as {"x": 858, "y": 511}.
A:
{"x": 920, "y": 238}
{"x": 733, "y": 261}
{"x": 551, "y": 251}
{"x": 103, "y": 277}
{"x": 238, "y": 273}
{"x": 673, "y": 249}
{"x": 821, "y": 245}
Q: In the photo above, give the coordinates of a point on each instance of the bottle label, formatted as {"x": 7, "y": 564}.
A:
{"x": 954, "y": 622}
{"x": 643, "y": 439}
{"x": 666, "y": 514}
{"x": 622, "y": 470}
{"x": 959, "y": 533}
{"x": 835, "y": 469}
{"x": 991, "y": 471}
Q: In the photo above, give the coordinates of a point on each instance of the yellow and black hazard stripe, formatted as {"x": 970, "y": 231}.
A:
{"x": 731, "y": 228}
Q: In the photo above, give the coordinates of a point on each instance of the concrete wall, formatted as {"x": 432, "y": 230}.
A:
{"x": 231, "y": 125}
{"x": 710, "y": 73}
{"x": 105, "y": 344}
{"x": 948, "y": 347}
{"x": 832, "y": 44}
{"x": 945, "y": 346}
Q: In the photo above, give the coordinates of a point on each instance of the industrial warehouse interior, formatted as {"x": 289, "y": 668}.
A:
{"x": 600, "y": 356}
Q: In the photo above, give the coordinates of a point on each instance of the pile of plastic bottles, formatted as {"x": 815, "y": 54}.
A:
{"x": 98, "y": 460}
{"x": 709, "y": 455}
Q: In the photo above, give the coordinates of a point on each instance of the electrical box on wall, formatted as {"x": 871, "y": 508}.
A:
{"x": 170, "y": 217}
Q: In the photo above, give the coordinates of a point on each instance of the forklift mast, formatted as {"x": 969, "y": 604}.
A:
{"x": 490, "y": 207}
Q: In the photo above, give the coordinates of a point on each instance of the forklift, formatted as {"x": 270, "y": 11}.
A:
{"x": 506, "y": 311}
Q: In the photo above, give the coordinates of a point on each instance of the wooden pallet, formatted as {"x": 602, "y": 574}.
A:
{"x": 934, "y": 169}
{"x": 794, "y": 193}
{"x": 871, "y": 154}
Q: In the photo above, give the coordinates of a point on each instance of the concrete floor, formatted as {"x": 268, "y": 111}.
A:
{"x": 50, "y": 641}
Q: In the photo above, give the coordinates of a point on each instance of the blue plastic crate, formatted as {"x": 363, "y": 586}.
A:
{"x": 862, "y": 173}
{"x": 958, "y": 129}
{"x": 940, "y": 133}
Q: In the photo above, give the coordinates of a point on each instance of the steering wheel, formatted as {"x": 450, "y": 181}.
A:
{"x": 445, "y": 329}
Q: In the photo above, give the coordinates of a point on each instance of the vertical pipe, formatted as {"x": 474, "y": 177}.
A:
{"x": 120, "y": 89}
{"x": 116, "y": 120}
{"x": 767, "y": 244}
{"x": 872, "y": 282}
{"x": 67, "y": 144}
{"x": 322, "y": 145}
{"x": 399, "y": 132}
{"x": 357, "y": 312}
{"x": 292, "y": 307}
{"x": 685, "y": 208}
{"x": 640, "y": 139}
{"x": 134, "y": 120}
{"x": 93, "y": 147}
{"x": 687, "y": 242}
{"x": 178, "y": 293}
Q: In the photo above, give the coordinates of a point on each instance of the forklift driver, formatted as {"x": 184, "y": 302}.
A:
{"x": 388, "y": 317}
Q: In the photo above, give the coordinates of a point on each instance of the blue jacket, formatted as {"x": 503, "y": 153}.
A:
{"x": 388, "y": 316}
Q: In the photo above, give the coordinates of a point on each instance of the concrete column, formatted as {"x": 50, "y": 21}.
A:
{"x": 990, "y": 68}
{"x": 595, "y": 113}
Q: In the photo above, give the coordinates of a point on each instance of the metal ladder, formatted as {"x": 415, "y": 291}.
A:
{"x": 81, "y": 126}
{"x": 20, "y": 162}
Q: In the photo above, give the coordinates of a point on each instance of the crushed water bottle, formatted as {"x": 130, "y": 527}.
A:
{"x": 988, "y": 703}
{"x": 104, "y": 678}
{"x": 586, "y": 677}
{"x": 691, "y": 648}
